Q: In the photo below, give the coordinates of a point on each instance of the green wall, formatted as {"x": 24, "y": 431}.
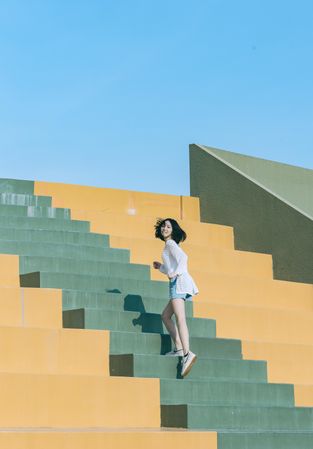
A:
{"x": 262, "y": 220}
{"x": 292, "y": 184}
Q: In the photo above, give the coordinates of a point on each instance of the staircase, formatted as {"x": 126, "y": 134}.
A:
{"x": 83, "y": 362}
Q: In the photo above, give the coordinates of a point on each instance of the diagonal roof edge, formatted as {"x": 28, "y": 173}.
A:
{"x": 221, "y": 159}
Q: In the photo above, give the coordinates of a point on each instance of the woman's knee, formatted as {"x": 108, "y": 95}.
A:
{"x": 181, "y": 321}
{"x": 180, "y": 318}
{"x": 166, "y": 315}
{"x": 167, "y": 312}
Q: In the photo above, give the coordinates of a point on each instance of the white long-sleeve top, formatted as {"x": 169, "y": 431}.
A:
{"x": 175, "y": 264}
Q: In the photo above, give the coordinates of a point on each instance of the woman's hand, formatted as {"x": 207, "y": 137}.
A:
{"x": 156, "y": 264}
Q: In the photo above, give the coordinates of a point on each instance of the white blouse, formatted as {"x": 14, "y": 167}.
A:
{"x": 175, "y": 264}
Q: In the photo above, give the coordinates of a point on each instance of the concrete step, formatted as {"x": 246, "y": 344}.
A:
{"x": 16, "y": 186}
{"x": 261, "y": 323}
{"x": 101, "y": 437}
{"x": 242, "y": 418}
{"x": 83, "y": 267}
{"x": 26, "y": 307}
{"x": 200, "y": 257}
{"x": 22, "y": 199}
{"x": 286, "y": 362}
{"x": 152, "y": 365}
{"x": 95, "y": 283}
{"x": 48, "y": 400}
{"x": 54, "y": 351}
{"x": 9, "y": 275}
{"x": 304, "y": 395}
{"x": 35, "y": 211}
{"x": 76, "y": 299}
{"x": 147, "y": 343}
{"x": 55, "y": 236}
{"x": 241, "y": 290}
{"x": 87, "y": 318}
{"x": 34, "y": 223}
{"x": 265, "y": 440}
{"x": 66, "y": 250}
{"x": 88, "y": 198}
{"x": 165, "y": 438}
{"x": 130, "y": 226}
{"x": 216, "y": 392}
{"x": 30, "y": 307}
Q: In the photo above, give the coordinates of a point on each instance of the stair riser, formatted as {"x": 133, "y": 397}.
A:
{"x": 34, "y": 223}
{"x": 265, "y": 441}
{"x": 59, "y": 237}
{"x": 77, "y": 266}
{"x": 131, "y": 322}
{"x": 228, "y": 393}
{"x": 243, "y": 418}
{"x": 67, "y": 251}
{"x": 115, "y": 301}
{"x": 17, "y": 199}
{"x": 130, "y": 342}
{"x": 33, "y": 211}
{"x": 169, "y": 367}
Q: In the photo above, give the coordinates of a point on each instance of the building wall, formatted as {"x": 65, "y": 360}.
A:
{"x": 262, "y": 222}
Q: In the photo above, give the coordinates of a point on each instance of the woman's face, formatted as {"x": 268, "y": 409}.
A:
{"x": 166, "y": 229}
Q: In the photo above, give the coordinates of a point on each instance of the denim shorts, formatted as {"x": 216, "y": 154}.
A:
{"x": 173, "y": 294}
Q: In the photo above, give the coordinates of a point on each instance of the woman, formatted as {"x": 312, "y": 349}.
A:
{"x": 181, "y": 288}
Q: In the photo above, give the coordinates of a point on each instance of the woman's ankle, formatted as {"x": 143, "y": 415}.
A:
{"x": 176, "y": 349}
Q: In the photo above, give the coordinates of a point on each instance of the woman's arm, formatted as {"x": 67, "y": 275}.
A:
{"x": 159, "y": 266}
{"x": 178, "y": 256}
{"x": 162, "y": 268}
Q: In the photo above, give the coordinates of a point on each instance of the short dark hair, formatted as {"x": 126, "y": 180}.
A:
{"x": 177, "y": 233}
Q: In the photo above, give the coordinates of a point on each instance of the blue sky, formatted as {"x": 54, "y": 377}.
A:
{"x": 111, "y": 93}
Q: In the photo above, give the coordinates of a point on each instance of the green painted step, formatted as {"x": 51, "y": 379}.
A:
{"x": 95, "y": 283}
{"x": 47, "y": 236}
{"x": 220, "y": 417}
{"x": 147, "y": 365}
{"x": 34, "y": 211}
{"x": 44, "y": 223}
{"x": 22, "y": 199}
{"x": 265, "y": 440}
{"x": 76, "y": 299}
{"x": 63, "y": 265}
{"x": 64, "y": 250}
{"x": 216, "y": 392}
{"x": 131, "y": 322}
{"x": 16, "y": 186}
{"x": 144, "y": 343}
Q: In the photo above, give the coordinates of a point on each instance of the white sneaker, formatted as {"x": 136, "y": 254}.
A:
{"x": 176, "y": 353}
{"x": 187, "y": 363}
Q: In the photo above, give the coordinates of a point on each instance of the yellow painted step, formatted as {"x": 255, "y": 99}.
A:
{"x": 201, "y": 258}
{"x": 30, "y": 307}
{"x": 41, "y": 400}
{"x": 304, "y": 395}
{"x": 54, "y": 351}
{"x": 119, "y": 201}
{"x": 9, "y": 270}
{"x": 234, "y": 289}
{"x": 123, "y": 225}
{"x": 162, "y": 438}
{"x": 258, "y": 323}
{"x": 287, "y": 363}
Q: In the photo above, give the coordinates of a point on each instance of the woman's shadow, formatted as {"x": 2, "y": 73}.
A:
{"x": 149, "y": 322}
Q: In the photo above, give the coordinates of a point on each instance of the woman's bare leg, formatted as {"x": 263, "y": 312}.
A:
{"x": 178, "y": 306}
{"x": 171, "y": 326}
